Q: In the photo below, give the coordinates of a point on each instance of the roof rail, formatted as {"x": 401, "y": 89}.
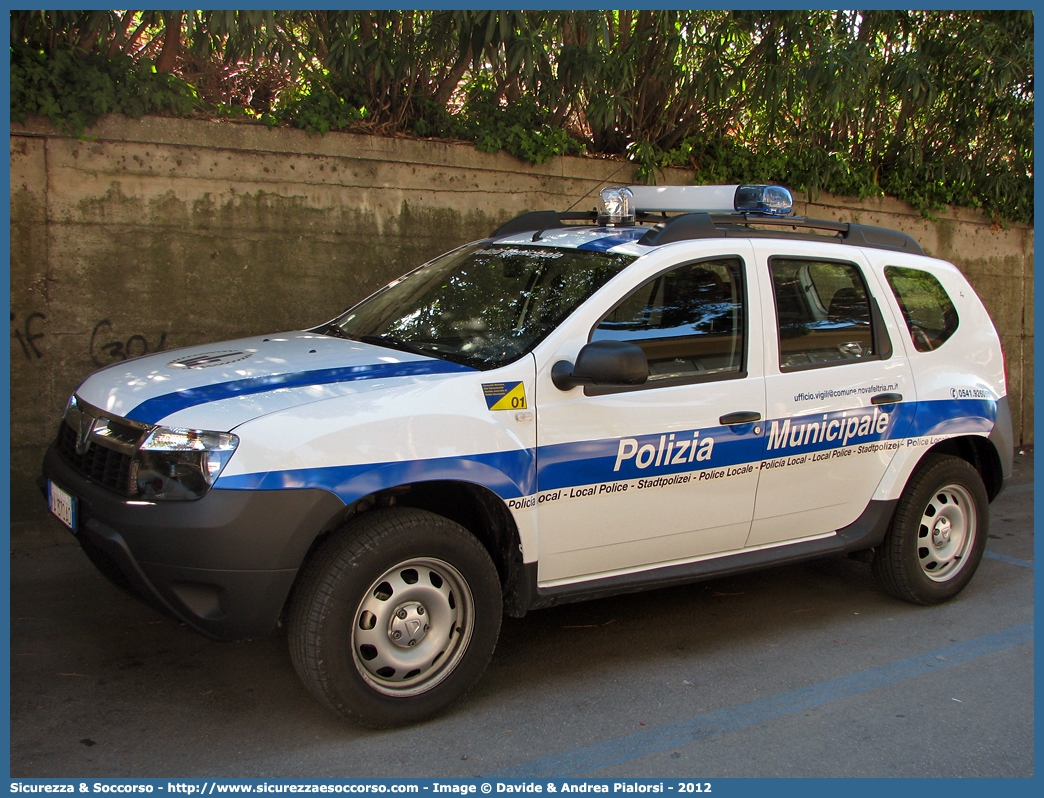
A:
{"x": 538, "y": 221}
{"x": 542, "y": 220}
{"x": 693, "y": 226}
{"x": 696, "y": 226}
{"x": 687, "y": 227}
{"x": 881, "y": 238}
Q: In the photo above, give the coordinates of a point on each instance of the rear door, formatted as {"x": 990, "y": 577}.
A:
{"x": 838, "y": 390}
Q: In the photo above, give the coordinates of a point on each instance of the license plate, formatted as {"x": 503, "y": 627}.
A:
{"x": 62, "y": 505}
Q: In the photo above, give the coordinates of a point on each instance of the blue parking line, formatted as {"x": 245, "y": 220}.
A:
{"x": 1018, "y": 489}
{"x": 611, "y": 752}
{"x": 1007, "y": 559}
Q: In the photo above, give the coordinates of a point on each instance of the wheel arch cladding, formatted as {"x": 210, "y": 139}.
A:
{"x": 981, "y": 454}
{"x": 482, "y": 513}
{"x": 476, "y": 508}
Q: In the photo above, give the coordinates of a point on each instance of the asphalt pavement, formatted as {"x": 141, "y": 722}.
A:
{"x": 806, "y": 670}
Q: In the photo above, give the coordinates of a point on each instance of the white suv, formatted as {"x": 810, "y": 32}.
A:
{"x": 687, "y": 383}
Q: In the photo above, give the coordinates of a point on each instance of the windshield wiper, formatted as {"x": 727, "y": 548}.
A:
{"x": 335, "y": 331}
{"x": 377, "y": 340}
{"x": 393, "y": 343}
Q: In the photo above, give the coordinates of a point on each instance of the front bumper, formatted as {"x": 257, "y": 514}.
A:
{"x": 223, "y": 564}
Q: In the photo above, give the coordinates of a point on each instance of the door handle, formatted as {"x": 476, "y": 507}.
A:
{"x": 742, "y": 417}
{"x": 887, "y": 399}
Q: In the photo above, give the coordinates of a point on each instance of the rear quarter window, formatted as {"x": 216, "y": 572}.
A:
{"x": 929, "y": 313}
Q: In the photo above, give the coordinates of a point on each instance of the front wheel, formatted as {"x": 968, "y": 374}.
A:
{"x": 396, "y": 617}
{"x": 938, "y": 533}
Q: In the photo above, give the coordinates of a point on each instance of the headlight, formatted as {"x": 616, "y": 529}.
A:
{"x": 182, "y": 463}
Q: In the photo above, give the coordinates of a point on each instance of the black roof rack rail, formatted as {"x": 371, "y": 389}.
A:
{"x": 538, "y": 221}
{"x": 862, "y": 235}
{"x": 695, "y": 226}
{"x": 688, "y": 226}
{"x": 692, "y": 226}
{"x": 542, "y": 220}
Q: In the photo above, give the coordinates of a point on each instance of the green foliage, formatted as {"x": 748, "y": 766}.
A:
{"x": 933, "y": 107}
{"x": 74, "y": 93}
{"x": 521, "y": 128}
{"x": 319, "y": 110}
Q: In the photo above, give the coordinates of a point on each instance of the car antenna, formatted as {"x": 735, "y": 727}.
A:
{"x": 599, "y": 183}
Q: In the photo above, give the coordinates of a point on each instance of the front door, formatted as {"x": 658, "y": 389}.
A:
{"x": 665, "y": 473}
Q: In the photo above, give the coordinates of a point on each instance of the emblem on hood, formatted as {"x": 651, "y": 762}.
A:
{"x": 208, "y": 359}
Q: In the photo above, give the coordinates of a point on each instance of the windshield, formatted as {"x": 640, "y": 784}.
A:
{"x": 482, "y": 306}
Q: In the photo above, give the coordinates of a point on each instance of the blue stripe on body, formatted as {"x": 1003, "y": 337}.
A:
{"x": 508, "y": 474}
{"x": 568, "y": 465}
{"x": 524, "y": 472}
{"x": 812, "y": 433}
{"x": 906, "y": 420}
{"x": 617, "y": 238}
{"x": 152, "y": 410}
{"x": 947, "y": 416}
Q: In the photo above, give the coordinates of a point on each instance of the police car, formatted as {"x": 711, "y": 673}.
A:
{"x": 686, "y": 383}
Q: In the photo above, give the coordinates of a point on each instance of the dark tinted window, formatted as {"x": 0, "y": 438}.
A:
{"x": 929, "y": 313}
{"x": 823, "y": 312}
{"x": 689, "y": 321}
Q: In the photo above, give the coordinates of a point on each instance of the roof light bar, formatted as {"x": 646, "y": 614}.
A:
{"x": 771, "y": 200}
{"x": 685, "y": 199}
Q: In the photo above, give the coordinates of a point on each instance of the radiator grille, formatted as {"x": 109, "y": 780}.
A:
{"x": 106, "y": 467}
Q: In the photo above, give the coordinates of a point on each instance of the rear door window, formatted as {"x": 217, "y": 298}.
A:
{"x": 823, "y": 311}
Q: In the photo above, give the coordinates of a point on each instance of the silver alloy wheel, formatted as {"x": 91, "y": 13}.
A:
{"x": 946, "y": 533}
{"x": 412, "y": 627}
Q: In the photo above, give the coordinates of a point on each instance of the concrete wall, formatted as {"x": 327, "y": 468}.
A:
{"x": 161, "y": 233}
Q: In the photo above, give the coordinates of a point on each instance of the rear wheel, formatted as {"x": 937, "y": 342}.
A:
{"x": 396, "y": 617}
{"x": 937, "y": 535}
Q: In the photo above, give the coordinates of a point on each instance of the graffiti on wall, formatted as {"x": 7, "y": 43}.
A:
{"x": 106, "y": 349}
{"x": 105, "y": 346}
{"x": 27, "y": 333}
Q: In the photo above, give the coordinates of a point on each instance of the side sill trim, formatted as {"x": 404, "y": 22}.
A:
{"x": 865, "y": 532}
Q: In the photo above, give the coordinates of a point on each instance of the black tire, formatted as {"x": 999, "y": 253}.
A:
{"x": 938, "y": 533}
{"x": 396, "y": 617}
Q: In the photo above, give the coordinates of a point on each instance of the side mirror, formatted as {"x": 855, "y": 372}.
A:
{"x": 602, "y": 363}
